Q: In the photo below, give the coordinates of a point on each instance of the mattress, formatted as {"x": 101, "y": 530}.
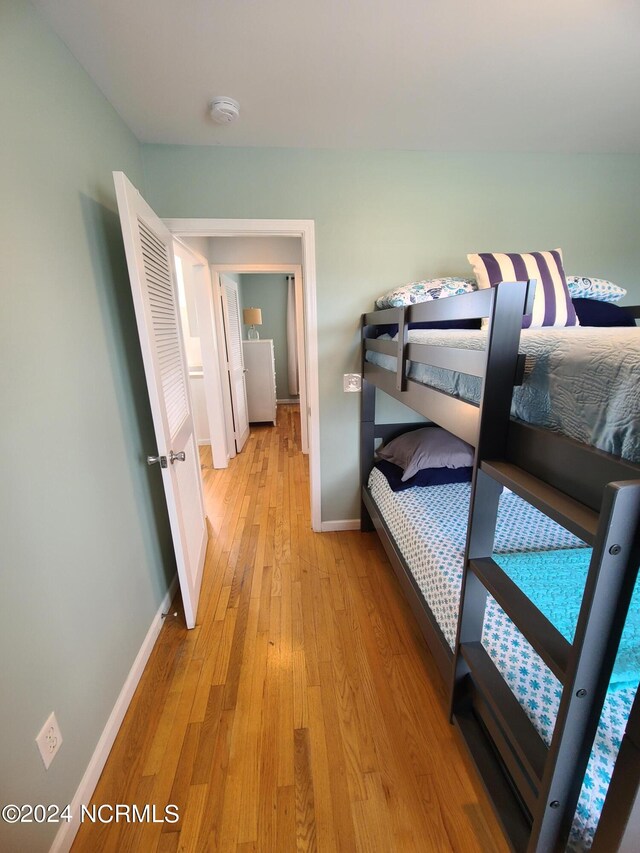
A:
{"x": 429, "y": 527}
{"x": 582, "y": 382}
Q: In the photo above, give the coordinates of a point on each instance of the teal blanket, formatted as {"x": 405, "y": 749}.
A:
{"x": 554, "y": 581}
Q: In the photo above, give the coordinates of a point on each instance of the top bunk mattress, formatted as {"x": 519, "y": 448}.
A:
{"x": 582, "y": 382}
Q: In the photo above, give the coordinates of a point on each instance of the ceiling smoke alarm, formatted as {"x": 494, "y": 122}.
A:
{"x": 224, "y": 110}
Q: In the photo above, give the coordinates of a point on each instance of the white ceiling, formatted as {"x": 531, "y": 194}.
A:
{"x": 448, "y": 75}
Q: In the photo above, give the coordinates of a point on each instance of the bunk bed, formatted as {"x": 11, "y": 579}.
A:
{"x": 584, "y": 506}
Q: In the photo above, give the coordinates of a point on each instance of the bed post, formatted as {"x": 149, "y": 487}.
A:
{"x": 510, "y": 302}
{"x": 367, "y": 447}
{"x": 609, "y": 587}
{"x": 367, "y": 432}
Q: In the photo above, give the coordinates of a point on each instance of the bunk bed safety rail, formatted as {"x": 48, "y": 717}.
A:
{"x": 504, "y": 307}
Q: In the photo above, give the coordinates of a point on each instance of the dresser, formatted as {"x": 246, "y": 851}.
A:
{"x": 260, "y": 375}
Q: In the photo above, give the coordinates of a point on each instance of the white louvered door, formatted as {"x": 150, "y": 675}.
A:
{"x": 149, "y": 250}
{"x": 233, "y": 335}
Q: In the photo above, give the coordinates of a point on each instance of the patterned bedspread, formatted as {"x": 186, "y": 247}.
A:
{"x": 429, "y": 527}
{"x": 582, "y": 382}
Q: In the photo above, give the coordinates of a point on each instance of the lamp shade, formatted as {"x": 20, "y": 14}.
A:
{"x": 252, "y": 316}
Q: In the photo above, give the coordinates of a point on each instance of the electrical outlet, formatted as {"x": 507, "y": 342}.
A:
{"x": 49, "y": 740}
{"x": 352, "y": 382}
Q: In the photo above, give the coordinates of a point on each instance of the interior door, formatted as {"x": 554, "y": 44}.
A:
{"x": 235, "y": 360}
{"x": 149, "y": 251}
{"x": 199, "y": 324}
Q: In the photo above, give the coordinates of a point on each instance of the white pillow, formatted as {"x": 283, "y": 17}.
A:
{"x": 429, "y": 447}
{"x": 425, "y": 291}
{"x": 594, "y": 288}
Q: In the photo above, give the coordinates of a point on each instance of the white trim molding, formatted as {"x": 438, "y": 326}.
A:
{"x": 340, "y": 525}
{"x": 305, "y": 229}
{"x": 67, "y": 832}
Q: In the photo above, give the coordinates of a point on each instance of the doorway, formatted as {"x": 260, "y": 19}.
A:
{"x": 196, "y": 232}
{"x": 277, "y": 291}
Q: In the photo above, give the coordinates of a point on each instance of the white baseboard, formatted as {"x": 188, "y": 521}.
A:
{"x": 289, "y": 402}
{"x": 67, "y": 832}
{"x": 340, "y": 524}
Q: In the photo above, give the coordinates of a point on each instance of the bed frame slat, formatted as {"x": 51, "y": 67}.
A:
{"x": 524, "y": 787}
{"x": 507, "y": 806}
{"x": 386, "y": 347}
{"x": 522, "y": 735}
{"x": 543, "y": 636}
{"x": 574, "y": 468}
{"x": 575, "y": 516}
{"x": 471, "y": 362}
{"x": 457, "y": 416}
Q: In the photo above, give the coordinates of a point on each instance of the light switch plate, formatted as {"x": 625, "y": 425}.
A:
{"x": 352, "y": 382}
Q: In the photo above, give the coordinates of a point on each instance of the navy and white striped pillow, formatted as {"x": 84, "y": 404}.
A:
{"x": 552, "y": 304}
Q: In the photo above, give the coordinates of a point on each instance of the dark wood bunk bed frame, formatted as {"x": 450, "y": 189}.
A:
{"x": 534, "y": 788}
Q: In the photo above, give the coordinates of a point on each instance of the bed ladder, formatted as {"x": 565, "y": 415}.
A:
{"x": 535, "y": 788}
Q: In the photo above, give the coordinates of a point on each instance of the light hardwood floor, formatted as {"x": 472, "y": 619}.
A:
{"x": 304, "y": 712}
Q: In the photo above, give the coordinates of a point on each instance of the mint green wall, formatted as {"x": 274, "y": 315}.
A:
{"x": 269, "y": 292}
{"x": 384, "y": 218}
{"x": 86, "y": 556}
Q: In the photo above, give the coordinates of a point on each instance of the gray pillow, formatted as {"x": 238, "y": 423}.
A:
{"x": 431, "y": 447}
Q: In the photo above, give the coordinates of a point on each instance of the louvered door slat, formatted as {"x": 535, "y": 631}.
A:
{"x": 163, "y": 322}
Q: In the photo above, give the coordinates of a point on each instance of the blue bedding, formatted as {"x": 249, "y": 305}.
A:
{"x": 541, "y": 575}
{"x": 429, "y": 527}
{"x": 582, "y": 382}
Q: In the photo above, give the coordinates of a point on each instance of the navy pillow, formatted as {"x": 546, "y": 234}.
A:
{"x": 425, "y": 477}
{"x": 592, "y": 312}
{"x": 392, "y": 329}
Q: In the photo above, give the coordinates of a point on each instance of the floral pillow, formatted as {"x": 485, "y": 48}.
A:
{"x": 425, "y": 291}
{"x": 594, "y": 288}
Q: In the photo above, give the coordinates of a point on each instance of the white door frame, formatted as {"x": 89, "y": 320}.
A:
{"x": 296, "y": 271}
{"x": 221, "y": 332}
{"x": 204, "y": 307}
{"x": 305, "y": 229}
{"x": 234, "y": 373}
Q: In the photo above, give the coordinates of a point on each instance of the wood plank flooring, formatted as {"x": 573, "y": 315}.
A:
{"x": 304, "y": 712}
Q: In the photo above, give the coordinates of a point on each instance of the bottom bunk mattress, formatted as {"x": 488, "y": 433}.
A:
{"x": 429, "y": 528}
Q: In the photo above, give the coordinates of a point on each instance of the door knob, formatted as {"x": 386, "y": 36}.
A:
{"x": 151, "y": 460}
{"x": 176, "y": 457}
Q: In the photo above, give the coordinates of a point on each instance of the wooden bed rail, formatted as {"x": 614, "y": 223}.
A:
{"x": 493, "y": 303}
{"x": 498, "y": 365}
{"x": 467, "y": 306}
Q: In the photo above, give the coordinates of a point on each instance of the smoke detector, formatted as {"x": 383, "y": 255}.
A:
{"x": 224, "y": 110}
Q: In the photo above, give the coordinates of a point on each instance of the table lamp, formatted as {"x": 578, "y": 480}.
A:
{"x": 252, "y": 317}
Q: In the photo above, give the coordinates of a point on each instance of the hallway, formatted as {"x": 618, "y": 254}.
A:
{"x": 303, "y": 712}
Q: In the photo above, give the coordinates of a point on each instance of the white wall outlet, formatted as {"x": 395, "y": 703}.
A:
{"x": 352, "y": 382}
{"x": 49, "y": 740}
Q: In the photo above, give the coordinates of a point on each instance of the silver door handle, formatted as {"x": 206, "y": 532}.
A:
{"x": 176, "y": 457}
{"x": 151, "y": 460}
